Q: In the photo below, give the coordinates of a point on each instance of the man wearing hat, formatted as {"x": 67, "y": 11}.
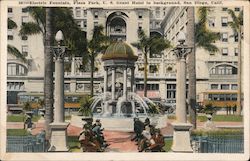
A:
{"x": 158, "y": 142}
{"x": 138, "y": 128}
{"x": 97, "y": 130}
{"x": 87, "y": 139}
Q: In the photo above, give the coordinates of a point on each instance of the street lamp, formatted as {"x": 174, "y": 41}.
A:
{"x": 181, "y": 137}
{"x": 58, "y": 139}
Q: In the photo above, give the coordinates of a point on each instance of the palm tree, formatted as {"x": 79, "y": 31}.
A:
{"x": 199, "y": 36}
{"x": 96, "y": 45}
{"x": 12, "y": 49}
{"x": 236, "y": 25}
{"x": 154, "y": 44}
{"x": 43, "y": 24}
{"x": 191, "y": 66}
{"x": 48, "y": 72}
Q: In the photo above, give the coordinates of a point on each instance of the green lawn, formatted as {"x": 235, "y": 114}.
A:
{"x": 168, "y": 144}
{"x": 21, "y": 118}
{"x": 17, "y": 132}
{"x": 219, "y": 132}
{"x": 15, "y": 118}
{"x": 219, "y": 118}
{"x": 73, "y": 143}
{"x": 216, "y": 118}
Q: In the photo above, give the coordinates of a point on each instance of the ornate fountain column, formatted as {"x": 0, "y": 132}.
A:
{"x": 125, "y": 83}
{"x": 132, "y": 79}
{"x": 105, "y": 84}
{"x": 113, "y": 83}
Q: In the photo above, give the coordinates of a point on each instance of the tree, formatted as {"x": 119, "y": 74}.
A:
{"x": 153, "y": 44}
{"x": 96, "y": 45}
{"x": 199, "y": 36}
{"x": 237, "y": 26}
{"x": 47, "y": 22}
{"x": 191, "y": 66}
{"x": 85, "y": 103}
{"x": 12, "y": 49}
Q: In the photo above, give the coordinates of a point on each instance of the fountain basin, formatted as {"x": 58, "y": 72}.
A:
{"x": 123, "y": 124}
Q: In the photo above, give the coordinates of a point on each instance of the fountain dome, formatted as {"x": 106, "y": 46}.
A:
{"x": 119, "y": 51}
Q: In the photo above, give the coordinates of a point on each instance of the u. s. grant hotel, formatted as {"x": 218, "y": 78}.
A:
{"x": 216, "y": 72}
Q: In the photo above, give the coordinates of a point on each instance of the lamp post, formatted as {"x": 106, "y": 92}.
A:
{"x": 58, "y": 138}
{"x": 181, "y": 137}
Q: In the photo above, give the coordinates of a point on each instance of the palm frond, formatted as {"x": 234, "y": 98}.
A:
{"x": 30, "y": 28}
{"x": 233, "y": 16}
{"x": 11, "y": 24}
{"x": 14, "y": 51}
{"x": 240, "y": 17}
{"x": 39, "y": 15}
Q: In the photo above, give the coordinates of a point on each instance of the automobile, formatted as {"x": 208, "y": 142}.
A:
{"x": 166, "y": 107}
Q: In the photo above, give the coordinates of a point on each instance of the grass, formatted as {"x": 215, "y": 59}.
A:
{"x": 220, "y": 132}
{"x": 73, "y": 144}
{"x": 21, "y": 118}
{"x": 216, "y": 118}
{"x": 68, "y": 117}
{"x": 17, "y": 132}
{"x": 15, "y": 118}
{"x": 168, "y": 144}
{"x": 220, "y": 118}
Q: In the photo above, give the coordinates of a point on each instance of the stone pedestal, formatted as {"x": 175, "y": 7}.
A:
{"x": 58, "y": 137}
{"x": 181, "y": 138}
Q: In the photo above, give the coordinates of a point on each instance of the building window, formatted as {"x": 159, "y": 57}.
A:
{"x": 24, "y": 19}
{"x": 224, "y": 86}
{"x": 66, "y": 86}
{"x": 234, "y": 86}
{"x": 224, "y": 51}
{"x": 84, "y": 23}
{"x": 211, "y": 22}
{"x": 25, "y": 50}
{"x": 140, "y": 26}
{"x": 24, "y": 37}
{"x": 96, "y": 14}
{"x": 85, "y": 13}
{"x": 10, "y": 10}
{"x": 224, "y": 9}
{"x": 171, "y": 91}
{"x": 140, "y": 15}
{"x": 157, "y": 12}
{"x": 95, "y": 24}
{"x": 153, "y": 68}
{"x": 16, "y": 69}
{"x": 214, "y": 86}
{"x": 10, "y": 34}
{"x": 78, "y": 12}
{"x": 236, "y": 51}
{"x": 236, "y": 37}
{"x": 79, "y": 23}
{"x": 224, "y": 21}
{"x": 237, "y": 9}
{"x": 24, "y": 10}
{"x": 10, "y": 37}
{"x": 224, "y": 37}
{"x": 223, "y": 70}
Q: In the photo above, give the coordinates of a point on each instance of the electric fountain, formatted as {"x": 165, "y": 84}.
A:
{"x": 118, "y": 105}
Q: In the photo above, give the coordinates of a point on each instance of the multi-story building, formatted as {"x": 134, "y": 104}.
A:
{"x": 215, "y": 72}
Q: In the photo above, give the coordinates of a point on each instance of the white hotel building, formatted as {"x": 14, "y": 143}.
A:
{"x": 215, "y": 72}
